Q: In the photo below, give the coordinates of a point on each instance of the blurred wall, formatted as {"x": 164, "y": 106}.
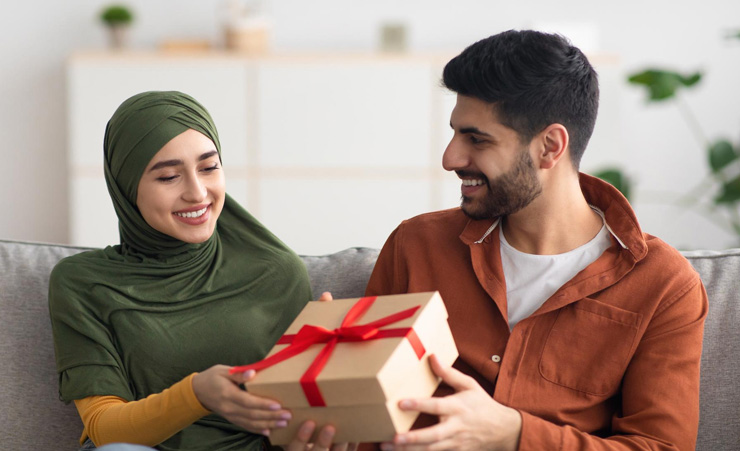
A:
{"x": 656, "y": 148}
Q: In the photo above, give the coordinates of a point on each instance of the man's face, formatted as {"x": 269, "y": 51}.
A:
{"x": 497, "y": 172}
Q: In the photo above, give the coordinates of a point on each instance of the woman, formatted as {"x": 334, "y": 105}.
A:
{"x": 143, "y": 330}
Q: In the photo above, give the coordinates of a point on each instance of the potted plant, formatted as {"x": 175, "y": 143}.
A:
{"x": 117, "y": 18}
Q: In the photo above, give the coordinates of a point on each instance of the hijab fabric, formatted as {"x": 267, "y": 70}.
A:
{"x": 132, "y": 319}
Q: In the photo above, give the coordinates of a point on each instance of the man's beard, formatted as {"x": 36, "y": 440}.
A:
{"x": 507, "y": 193}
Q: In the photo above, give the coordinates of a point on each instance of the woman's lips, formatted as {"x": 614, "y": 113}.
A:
{"x": 193, "y": 216}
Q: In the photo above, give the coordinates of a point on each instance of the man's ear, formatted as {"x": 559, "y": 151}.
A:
{"x": 553, "y": 142}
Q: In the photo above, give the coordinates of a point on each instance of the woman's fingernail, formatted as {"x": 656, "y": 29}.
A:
{"x": 249, "y": 373}
{"x": 307, "y": 428}
{"x": 274, "y": 407}
{"x": 266, "y": 432}
{"x": 386, "y": 446}
{"x": 281, "y": 424}
{"x": 285, "y": 416}
{"x": 327, "y": 434}
{"x": 406, "y": 404}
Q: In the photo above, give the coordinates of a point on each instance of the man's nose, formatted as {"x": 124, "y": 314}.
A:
{"x": 454, "y": 156}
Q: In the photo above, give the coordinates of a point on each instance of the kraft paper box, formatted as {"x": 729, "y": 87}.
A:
{"x": 362, "y": 381}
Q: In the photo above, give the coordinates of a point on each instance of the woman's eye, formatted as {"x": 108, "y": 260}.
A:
{"x": 166, "y": 179}
{"x": 212, "y": 168}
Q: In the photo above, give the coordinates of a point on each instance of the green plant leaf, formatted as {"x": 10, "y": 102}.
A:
{"x": 721, "y": 154}
{"x": 662, "y": 84}
{"x": 730, "y": 192}
{"x": 617, "y": 178}
{"x": 116, "y": 15}
{"x": 691, "y": 80}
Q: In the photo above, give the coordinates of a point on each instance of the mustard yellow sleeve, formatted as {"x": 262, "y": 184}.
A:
{"x": 148, "y": 421}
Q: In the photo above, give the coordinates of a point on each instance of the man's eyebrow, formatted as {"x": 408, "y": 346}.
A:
{"x": 475, "y": 130}
{"x": 170, "y": 163}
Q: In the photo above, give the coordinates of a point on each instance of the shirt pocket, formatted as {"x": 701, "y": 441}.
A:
{"x": 588, "y": 347}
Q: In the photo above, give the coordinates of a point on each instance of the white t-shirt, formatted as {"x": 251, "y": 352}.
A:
{"x": 531, "y": 279}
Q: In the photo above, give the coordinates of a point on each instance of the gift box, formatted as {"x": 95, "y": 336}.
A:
{"x": 349, "y": 361}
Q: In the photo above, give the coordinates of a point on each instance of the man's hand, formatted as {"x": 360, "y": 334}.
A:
{"x": 323, "y": 443}
{"x": 468, "y": 420}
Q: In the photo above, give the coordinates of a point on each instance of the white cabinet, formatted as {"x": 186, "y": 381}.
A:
{"x": 328, "y": 151}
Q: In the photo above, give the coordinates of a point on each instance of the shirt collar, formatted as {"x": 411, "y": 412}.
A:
{"x": 606, "y": 201}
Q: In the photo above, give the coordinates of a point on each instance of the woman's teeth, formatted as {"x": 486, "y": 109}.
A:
{"x": 192, "y": 214}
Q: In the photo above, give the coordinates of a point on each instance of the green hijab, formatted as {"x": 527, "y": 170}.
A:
{"x": 133, "y": 319}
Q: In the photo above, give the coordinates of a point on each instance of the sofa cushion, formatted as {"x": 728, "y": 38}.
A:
{"x": 345, "y": 274}
{"x": 719, "y": 423}
{"x": 32, "y": 415}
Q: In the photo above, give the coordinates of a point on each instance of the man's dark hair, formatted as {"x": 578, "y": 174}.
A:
{"x": 532, "y": 79}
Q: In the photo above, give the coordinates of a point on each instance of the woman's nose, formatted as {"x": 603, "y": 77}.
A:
{"x": 195, "y": 190}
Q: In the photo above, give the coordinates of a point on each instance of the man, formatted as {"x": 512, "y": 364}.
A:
{"x": 575, "y": 329}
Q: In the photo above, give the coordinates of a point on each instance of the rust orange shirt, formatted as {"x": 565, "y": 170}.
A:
{"x": 609, "y": 361}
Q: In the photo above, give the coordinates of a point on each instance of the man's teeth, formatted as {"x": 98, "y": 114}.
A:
{"x": 192, "y": 214}
{"x": 472, "y": 182}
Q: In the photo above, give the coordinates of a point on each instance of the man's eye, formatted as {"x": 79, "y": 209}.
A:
{"x": 474, "y": 140}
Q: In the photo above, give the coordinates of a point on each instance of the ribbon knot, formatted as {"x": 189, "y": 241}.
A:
{"x": 309, "y": 335}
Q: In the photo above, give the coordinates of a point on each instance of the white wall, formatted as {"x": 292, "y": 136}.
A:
{"x": 655, "y": 146}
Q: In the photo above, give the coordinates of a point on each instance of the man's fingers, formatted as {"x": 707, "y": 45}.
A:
{"x": 433, "y": 406}
{"x": 302, "y": 437}
{"x": 326, "y": 436}
{"x": 452, "y": 377}
{"x": 438, "y": 433}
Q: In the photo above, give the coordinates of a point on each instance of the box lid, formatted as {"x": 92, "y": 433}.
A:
{"x": 367, "y": 372}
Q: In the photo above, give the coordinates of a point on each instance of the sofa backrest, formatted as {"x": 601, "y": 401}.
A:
{"x": 719, "y": 423}
{"x": 32, "y": 416}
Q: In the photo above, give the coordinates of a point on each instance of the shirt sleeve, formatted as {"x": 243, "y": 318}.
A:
{"x": 148, "y": 421}
{"x": 388, "y": 273}
{"x": 660, "y": 390}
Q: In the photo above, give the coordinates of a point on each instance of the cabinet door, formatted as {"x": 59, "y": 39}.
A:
{"x": 347, "y": 148}
{"x": 96, "y": 87}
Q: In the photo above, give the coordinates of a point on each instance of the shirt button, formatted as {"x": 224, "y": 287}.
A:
{"x": 496, "y": 358}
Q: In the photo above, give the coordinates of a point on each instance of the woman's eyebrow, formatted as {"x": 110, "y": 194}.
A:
{"x": 170, "y": 163}
{"x": 165, "y": 164}
{"x": 207, "y": 155}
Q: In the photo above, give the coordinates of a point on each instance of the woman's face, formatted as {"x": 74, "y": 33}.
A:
{"x": 182, "y": 190}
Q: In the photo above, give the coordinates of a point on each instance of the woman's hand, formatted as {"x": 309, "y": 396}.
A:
{"x": 219, "y": 392}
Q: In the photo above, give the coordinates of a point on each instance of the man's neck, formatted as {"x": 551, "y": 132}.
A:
{"x": 558, "y": 221}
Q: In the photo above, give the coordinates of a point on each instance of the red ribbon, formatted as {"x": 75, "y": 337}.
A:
{"x": 310, "y": 335}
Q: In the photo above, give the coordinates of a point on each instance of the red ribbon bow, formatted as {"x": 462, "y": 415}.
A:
{"x": 309, "y": 335}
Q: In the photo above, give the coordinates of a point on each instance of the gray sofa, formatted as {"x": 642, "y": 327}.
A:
{"x": 32, "y": 417}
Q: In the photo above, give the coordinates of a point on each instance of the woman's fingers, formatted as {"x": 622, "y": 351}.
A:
{"x": 219, "y": 392}
{"x": 325, "y": 297}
